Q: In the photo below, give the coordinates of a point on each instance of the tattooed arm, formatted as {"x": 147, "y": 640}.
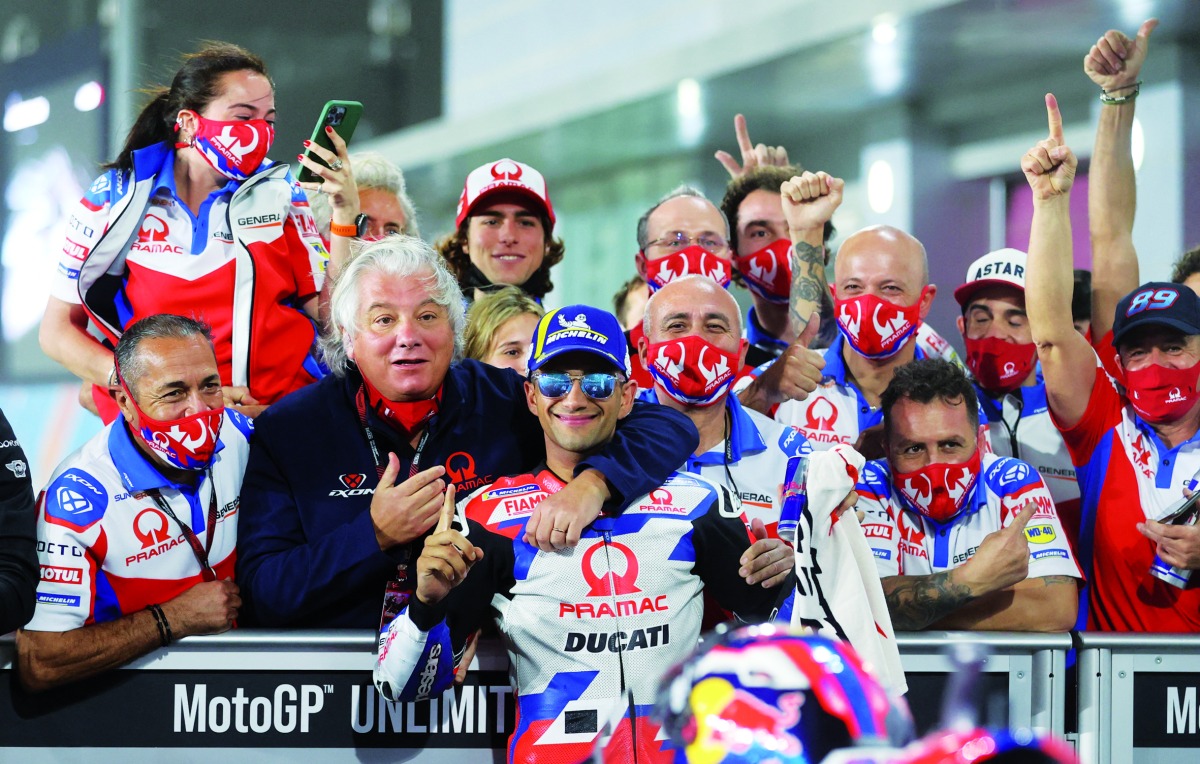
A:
{"x": 1036, "y": 604}
{"x": 809, "y": 201}
{"x": 915, "y": 602}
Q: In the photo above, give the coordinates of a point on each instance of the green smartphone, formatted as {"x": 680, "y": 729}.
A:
{"x": 343, "y": 117}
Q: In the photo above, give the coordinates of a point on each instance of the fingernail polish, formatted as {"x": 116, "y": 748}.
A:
{"x": 328, "y": 129}
{"x": 307, "y": 143}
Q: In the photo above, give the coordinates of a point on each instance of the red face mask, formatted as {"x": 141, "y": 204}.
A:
{"x": 998, "y": 365}
{"x": 939, "y": 491}
{"x": 692, "y": 370}
{"x": 768, "y": 272}
{"x": 690, "y": 261}
{"x": 406, "y": 416}
{"x": 234, "y": 148}
{"x": 1160, "y": 394}
{"x": 875, "y": 327}
{"x": 187, "y": 443}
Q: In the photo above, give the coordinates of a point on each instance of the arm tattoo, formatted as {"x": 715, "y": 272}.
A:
{"x": 808, "y": 284}
{"x": 917, "y": 601}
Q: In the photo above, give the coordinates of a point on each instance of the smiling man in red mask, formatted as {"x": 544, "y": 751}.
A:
{"x": 961, "y": 539}
{"x": 1002, "y": 359}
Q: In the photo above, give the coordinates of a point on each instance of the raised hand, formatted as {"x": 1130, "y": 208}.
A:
{"x": 793, "y": 375}
{"x": 752, "y": 156}
{"x": 337, "y": 178}
{"x": 809, "y": 200}
{"x": 1115, "y": 61}
{"x": 1049, "y": 166}
{"x": 447, "y": 557}
{"x": 403, "y": 512}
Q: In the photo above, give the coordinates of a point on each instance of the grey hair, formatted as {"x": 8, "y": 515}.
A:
{"x": 683, "y": 189}
{"x": 130, "y": 366}
{"x": 399, "y": 257}
{"x": 736, "y": 315}
{"x": 371, "y": 170}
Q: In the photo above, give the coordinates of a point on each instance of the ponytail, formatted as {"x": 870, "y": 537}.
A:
{"x": 150, "y": 127}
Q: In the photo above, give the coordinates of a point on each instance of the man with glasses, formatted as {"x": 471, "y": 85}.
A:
{"x": 589, "y": 633}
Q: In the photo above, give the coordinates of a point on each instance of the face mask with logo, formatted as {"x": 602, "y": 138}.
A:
{"x": 939, "y": 491}
{"x": 1161, "y": 394}
{"x": 875, "y": 327}
{"x": 692, "y": 370}
{"x": 690, "y": 261}
{"x": 768, "y": 271}
{"x": 187, "y": 443}
{"x": 234, "y": 148}
{"x": 998, "y": 365}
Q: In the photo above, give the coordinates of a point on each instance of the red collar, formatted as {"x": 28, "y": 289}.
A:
{"x": 405, "y": 416}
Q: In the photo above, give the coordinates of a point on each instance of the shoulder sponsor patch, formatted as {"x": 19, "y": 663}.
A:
{"x": 18, "y": 468}
{"x": 61, "y": 600}
{"x": 793, "y": 443}
{"x": 75, "y": 499}
{"x": 1042, "y": 533}
{"x": 62, "y": 575}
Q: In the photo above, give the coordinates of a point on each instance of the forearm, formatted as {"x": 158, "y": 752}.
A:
{"x": 1035, "y": 604}
{"x": 915, "y": 602}
{"x": 1049, "y": 276}
{"x": 808, "y": 277}
{"x": 47, "y": 659}
{"x": 1112, "y": 203}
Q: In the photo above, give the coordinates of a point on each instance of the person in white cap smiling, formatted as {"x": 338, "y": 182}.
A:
{"x": 1003, "y": 362}
{"x": 504, "y": 231}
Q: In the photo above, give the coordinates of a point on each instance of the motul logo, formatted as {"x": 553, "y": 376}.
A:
{"x": 57, "y": 575}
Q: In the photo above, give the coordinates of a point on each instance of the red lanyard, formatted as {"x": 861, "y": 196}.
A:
{"x": 201, "y": 552}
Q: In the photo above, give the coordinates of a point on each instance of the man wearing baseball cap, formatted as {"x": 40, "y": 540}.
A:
{"x": 588, "y": 633}
{"x": 1003, "y": 360}
{"x": 504, "y": 231}
{"x": 1137, "y": 452}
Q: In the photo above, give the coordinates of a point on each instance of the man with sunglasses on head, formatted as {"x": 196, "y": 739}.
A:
{"x": 588, "y": 633}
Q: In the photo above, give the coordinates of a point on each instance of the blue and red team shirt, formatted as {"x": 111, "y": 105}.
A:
{"x": 105, "y": 546}
{"x": 185, "y": 264}
{"x": 1126, "y": 476}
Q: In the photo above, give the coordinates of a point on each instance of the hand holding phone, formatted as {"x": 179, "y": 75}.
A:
{"x": 343, "y": 117}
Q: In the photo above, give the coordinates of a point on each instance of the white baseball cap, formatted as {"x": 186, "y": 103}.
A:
{"x": 506, "y": 175}
{"x": 1004, "y": 267}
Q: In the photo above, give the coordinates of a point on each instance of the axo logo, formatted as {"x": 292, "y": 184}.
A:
{"x": 353, "y": 482}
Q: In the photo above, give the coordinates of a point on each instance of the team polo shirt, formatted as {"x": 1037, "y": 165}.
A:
{"x": 105, "y": 546}
{"x": 906, "y": 543}
{"x": 185, "y": 264}
{"x": 1127, "y": 475}
{"x": 1020, "y": 426}
{"x": 758, "y": 453}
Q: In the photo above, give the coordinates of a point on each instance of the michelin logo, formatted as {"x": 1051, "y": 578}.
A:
{"x": 63, "y": 600}
{"x": 1049, "y": 553}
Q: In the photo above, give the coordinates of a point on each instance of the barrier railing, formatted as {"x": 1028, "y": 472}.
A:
{"x": 264, "y": 695}
{"x": 1138, "y": 698}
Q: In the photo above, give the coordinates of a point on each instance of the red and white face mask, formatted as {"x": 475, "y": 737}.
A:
{"x": 690, "y": 261}
{"x": 1161, "y": 394}
{"x": 768, "y": 271}
{"x": 1000, "y": 366}
{"x": 939, "y": 491}
{"x": 234, "y": 148}
{"x": 692, "y": 370}
{"x": 187, "y": 443}
{"x": 875, "y": 327}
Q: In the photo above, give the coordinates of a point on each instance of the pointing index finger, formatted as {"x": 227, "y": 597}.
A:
{"x": 743, "y": 134}
{"x": 447, "y": 516}
{"x": 1022, "y": 518}
{"x": 1054, "y": 118}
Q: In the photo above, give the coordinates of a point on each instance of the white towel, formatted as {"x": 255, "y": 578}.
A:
{"x": 846, "y": 573}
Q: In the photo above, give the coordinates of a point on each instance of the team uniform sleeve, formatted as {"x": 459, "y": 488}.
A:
{"x": 879, "y": 525}
{"x": 649, "y": 444}
{"x": 1049, "y": 549}
{"x": 1102, "y": 414}
{"x": 308, "y": 255}
{"x": 421, "y": 647}
{"x": 284, "y": 575}
{"x": 18, "y": 528}
{"x": 720, "y": 539}
{"x": 85, "y": 226}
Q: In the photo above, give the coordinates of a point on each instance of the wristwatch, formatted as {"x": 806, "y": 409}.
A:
{"x": 359, "y": 229}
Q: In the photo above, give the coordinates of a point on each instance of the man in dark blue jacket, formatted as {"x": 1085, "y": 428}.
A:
{"x": 346, "y": 476}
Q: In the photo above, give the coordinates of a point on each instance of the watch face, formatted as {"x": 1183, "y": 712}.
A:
{"x": 360, "y": 223}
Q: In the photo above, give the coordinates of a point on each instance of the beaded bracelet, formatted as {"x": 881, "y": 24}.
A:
{"x": 1106, "y": 96}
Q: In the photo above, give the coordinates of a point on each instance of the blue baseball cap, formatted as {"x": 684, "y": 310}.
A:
{"x": 1157, "y": 303}
{"x": 583, "y": 328}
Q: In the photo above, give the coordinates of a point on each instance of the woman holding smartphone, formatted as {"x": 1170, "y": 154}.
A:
{"x": 192, "y": 219}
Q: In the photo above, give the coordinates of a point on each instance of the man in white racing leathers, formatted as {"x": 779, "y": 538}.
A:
{"x": 589, "y": 629}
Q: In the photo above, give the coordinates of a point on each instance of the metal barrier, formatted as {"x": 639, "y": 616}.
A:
{"x": 1028, "y": 670}
{"x": 1138, "y": 698}
{"x": 267, "y": 695}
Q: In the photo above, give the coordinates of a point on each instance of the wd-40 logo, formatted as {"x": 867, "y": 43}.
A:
{"x": 353, "y": 482}
{"x": 460, "y": 468}
{"x": 1042, "y": 533}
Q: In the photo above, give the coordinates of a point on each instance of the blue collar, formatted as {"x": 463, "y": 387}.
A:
{"x": 744, "y": 438}
{"x": 158, "y": 161}
{"x": 137, "y": 472}
{"x": 835, "y": 364}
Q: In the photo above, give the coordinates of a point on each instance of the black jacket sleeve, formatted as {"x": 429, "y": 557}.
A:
{"x": 720, "y": 538}
{"x": 18, "y": 529}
